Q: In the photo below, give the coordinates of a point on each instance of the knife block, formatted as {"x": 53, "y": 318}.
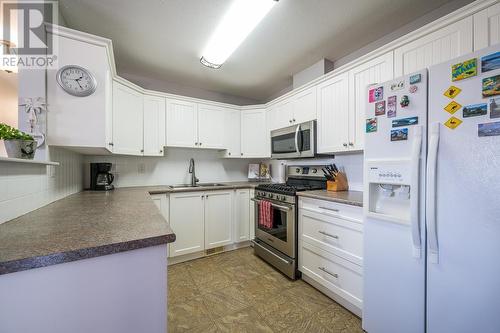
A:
{"x": 339, "y": 184}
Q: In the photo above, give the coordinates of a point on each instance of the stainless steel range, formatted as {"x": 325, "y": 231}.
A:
{"x": 276, "y": 242}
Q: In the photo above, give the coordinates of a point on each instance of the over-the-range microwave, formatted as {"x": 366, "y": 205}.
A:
{"x": 297, "y": 141}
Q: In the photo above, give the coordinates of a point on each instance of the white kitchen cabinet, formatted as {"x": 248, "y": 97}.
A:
{"x": 187, "y": 221}
{"x": 211, "y": 120}
{"x": 304, "y": 106}
{"x": 487, "y": 27}
{"x": 333, "y": 119}
{"x": 182, "y": 123}
{"x": 241, "y": 219}
{"x": 154, "y": 125}
{"x": 439, "y": 46}
{"x": 162, "y": 202}
{"x": 281, "y": 114}
{"x": 127, "y": 120}
{"x": 218, "y": 218}
{"x": 252, "y": 214}
{"x": 255, "y": 136}
{"x": 377, "y": 70}
{"x": 232, "y": 134}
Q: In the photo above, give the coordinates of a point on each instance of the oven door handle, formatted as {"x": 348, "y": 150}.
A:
{"x": 272, "y": 253}
{"x": 297, "y": 139}
{"x": 273, "y": 204}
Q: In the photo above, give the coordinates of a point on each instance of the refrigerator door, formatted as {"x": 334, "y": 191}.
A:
{"x": 463, "y": 217}
{"x": 394, "y": 258}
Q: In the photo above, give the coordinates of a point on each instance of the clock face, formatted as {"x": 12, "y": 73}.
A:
{"x": 76, "y": 80}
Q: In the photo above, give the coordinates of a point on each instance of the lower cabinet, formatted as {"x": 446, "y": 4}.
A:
{"x": 242, "y": 215}
{"x": 331, "y": 249}
{"x": 218, "y": 218}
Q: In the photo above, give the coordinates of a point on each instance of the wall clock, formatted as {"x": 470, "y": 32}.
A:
{"x": 76, "y": 80}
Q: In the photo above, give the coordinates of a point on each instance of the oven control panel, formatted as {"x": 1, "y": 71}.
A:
{"x": 305, "y": 171}
{"x": 274, "y": 196}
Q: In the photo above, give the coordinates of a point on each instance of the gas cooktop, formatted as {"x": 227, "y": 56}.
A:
{"x": 288, "y": 189}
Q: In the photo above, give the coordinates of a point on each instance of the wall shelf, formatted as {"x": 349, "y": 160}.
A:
{"x": 21, "y": 160}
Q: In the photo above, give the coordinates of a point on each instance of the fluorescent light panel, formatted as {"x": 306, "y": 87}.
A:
{"x": 238, "y": 22}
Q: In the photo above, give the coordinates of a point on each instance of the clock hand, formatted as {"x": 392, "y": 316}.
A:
{"x": 78, "y": 81}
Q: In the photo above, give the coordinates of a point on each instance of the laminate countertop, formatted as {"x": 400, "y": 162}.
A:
{"x": 353, "y": 198}
{"x": 89, "y": 224}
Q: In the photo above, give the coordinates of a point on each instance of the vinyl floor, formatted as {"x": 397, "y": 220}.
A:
{"x": 238, "y": 292}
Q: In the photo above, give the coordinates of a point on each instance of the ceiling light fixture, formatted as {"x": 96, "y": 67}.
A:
{"x": 241, "y": 18}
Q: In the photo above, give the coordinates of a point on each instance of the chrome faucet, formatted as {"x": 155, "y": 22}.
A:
{"x": 194, "y": 180}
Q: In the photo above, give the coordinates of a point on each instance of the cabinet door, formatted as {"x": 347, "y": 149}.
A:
{"x": 242, "y": 215}
{"x": 304, "y": 106}
{"x": 211, "y": 126}
{"x": 182, "y": 123}
{"x": 127, "y": 120}
{"x": 377, "y": 70}
{"x": 252, "y": 215}
{"x": 218, "y": 218}
{"x": 281, "y": 114}
{"x": 232, "y": 134}
{"x": 186, "y": 219}
{"x": 333, "y": 118}
{"x": 161, "y": 201}
{"x": 255, "y": 135}
{"x": 154, "y": 125}
{"x": 487, "y": 27}
{"x": 439, "y": 46}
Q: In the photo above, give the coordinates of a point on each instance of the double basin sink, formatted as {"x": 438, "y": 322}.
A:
{"x": 188, "y": 186}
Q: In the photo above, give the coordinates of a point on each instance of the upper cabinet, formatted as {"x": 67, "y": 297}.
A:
{"x": 255, "y": 138}
{"x": 211, "y": 120}
{"x": 487, "y": 27}
{"x": 232, "y": 134}
{"x": 439, "y": 46}
{"x": 154, "y": 125}
{"x": 182, "y": 123}
{"x": 127, "y": 120}
{"x": 295, "y": 109}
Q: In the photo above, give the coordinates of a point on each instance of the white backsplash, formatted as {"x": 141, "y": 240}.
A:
{"x": 172, "y": 168}
{"x": 26, "y": 187}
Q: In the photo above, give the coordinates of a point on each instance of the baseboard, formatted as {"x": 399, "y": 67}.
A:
{"x": 202, "y": 254}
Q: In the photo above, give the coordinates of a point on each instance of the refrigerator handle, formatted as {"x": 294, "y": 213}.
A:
{"x": 431, "y": 193}
{"x": 414, "y": 192}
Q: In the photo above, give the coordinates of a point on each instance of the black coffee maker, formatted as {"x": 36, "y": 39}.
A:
{"x": 101, "y": 177}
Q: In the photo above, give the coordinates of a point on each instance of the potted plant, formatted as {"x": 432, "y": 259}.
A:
{"x": 17, "y": 144}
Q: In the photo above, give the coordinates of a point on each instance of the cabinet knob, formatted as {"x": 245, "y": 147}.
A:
{"x": 290, "y": 121}
{"x": 142, "y": 150}
{"x": 196, "y": 143}
{"x": 293, "y": 119}
{"x": 241, "y": 154}
{"x": 229, "y": 153}
{"x": 351, "y": 144}
{"x": 200, "y": 143}
{"x": 345, "y": 144}
{"x": 111, "y": 144}
{"x": 161, "y": 151}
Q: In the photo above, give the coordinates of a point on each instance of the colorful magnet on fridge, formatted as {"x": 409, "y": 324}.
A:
{"x": 405, "y": 101}
{"x": 452, "y": 92}
{"x": 488, "y": 129}
{"x": 380, "y": 108}
{"x": 495, "y": 107}
{"x": 464, "y": 70}
{"x": 371, "y": 125}
{"x": 415, "y": 78}
{"x": 413, "y": 89}
{"x": 398, "y": 85}
{"x": 453, "y": 123}
{"x": 452, "y": 107}
{"x": 475, "y": 110}
{"x": 392, "y": 103}
{"x": 405, "y": 122}
{"x": 376, "y": 94}
{"x": 399, "y": 134}
{"x": 491, "y": 86}
{"x": 490, "y": 62}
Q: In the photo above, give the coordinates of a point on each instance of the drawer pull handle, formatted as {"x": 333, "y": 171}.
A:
{"x": 329, "y": 235}
{"x": 327, "y": 272}
{"x": 328, "y": 208}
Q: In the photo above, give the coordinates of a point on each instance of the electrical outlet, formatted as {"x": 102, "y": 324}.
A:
{"x": 141, "y": 168}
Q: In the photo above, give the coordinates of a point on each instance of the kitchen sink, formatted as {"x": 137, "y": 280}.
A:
{"x": 210, "y": 184}
{"x": 187, "y": 186}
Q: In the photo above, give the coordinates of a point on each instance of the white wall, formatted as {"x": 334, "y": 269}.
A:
{"x": 173, "y": 168}
{"x": 26, "y": 187}
{"x": 8, "y": 102}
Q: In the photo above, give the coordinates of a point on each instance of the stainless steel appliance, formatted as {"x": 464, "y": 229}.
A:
{"x": 297, "y": 141}
{"x": 101, "y": 178}
{"x": 278, "y": 244}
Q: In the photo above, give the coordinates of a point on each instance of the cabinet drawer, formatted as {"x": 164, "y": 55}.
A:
{"x": 340, "y": 237}
{"x": 338, "y": 275}
{"x": 343, "y": 211}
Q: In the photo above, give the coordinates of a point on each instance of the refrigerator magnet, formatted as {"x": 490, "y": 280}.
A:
{"x": 399, "y": 134}
{"x": 490, "y": 62}
{"x": 495, "y": 107}
{"x": 491, "y": 86}
{"x": 380, "y": 108}
{"x": 413, "y": 89}
{"x": 405, "y": 122}
{"x": 405, "y": 101}
{"x": 452, "y": 107}
{"x": 392, "y": 103}
{"x": 453, "y": 123}
{"x": 375, "y": 94}
{"x": 488, "y": 129}
{"x": 475, "y": 110}
{"x": 398, "y": 85}
{"x": 415, "y": 78}
{"x": 452, "y": 92}
{"x": 371, "y": 125}
{"x": 464, "y": 70}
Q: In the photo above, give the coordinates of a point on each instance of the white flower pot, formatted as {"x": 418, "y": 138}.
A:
{"x": 20, "y": 148}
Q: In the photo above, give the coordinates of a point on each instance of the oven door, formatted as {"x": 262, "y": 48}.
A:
{"x": 294, "y": 141}
{"x": 282, "y": 234}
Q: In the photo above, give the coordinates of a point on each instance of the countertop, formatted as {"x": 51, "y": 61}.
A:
{"x": 89, "y": 224}
{"x": 354, "y": 198}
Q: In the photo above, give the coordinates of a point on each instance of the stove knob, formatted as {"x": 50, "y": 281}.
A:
{"x": 314, "y": 170}
{"x": 297, "y": 170}
{"x": 283, "y": 198}
{"x": 271, "y": 196}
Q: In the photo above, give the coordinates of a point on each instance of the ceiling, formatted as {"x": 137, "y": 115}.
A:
{"x": 163, "y": 39}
